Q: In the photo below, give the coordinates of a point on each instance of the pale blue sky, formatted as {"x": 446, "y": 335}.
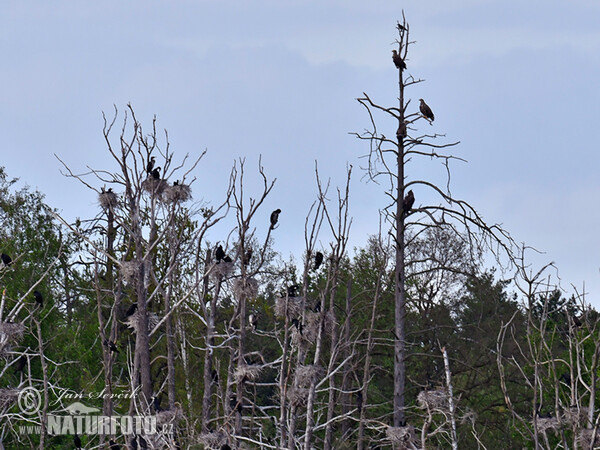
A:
{"x": 515, "y": 82}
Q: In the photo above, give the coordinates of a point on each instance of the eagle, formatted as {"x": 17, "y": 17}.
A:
{"x": 426, "y": 110}
{"x": 408, "y": 202}
{"x": 398, "y": 61}
{"x": 401, "y": 131}
{"x": 275, "y": 218}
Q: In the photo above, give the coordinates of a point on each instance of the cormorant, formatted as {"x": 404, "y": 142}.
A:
{"x": 6, "y": 260}
{"x": 156, "y": 403}
{"x": 426, "y": 110}
{"x": 408, "y": 202}
{"x": 225, "y": 447}
{"x": 253, "y": 320}
{"x": 400, "y": 26}
{"x": 247, "y": 257}
{"x": 275, "y": 218}
{"x": 292, "y": 290}
{"x": 227, "y": 259}
{"x": 176, "y": 183}
{"x": 113, "y": 445}
{"x": 20, "y": 364}
{"x": 156, "y": 173}
{"x": 398, "y": 61}
{"x": 577, "y": 321}
{"x": 215, "y": 376}
{"x": 131, "y": 310}
{"x": 219, "y": 254}
{"x": 317, "y": 306}
{"x": 318, "y": 260}
{"x": 298, "y": 325}
{"x": 39, "y": 299}
{"x": 359, "y": 401}
{"x": 77, "y": 441}
{"x": 150, "y": 165}
{"x": 111, "y": 345}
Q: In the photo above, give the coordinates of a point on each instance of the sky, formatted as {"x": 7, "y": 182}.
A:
{"x": 515, "y": 82}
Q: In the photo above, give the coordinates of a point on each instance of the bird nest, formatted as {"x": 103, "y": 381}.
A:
{"x": 178, "y": 193}
{"x": 436, "y": 399}
{"x": 213, "y": 440}
{"x": 108, "y": 200}
{"x": 310, "y": 328}
{"x": 222, "y": 269}
{"x": 294, "y": 306}
{"x": 305, "y": 375}
{"x": 8, "y": 396}
{"x": 247, "y": 372}
{"x": 154, "y": 186}
{"x": 574, "y": 415}
{"x": 401, "y": 435}
{"x": 297, "y": 396}
{"x": 129, "y": 270}
{"x": 10, "y": 334}
{"x": 547, "y": 423}
{"x": 134, "y": 320}
{"x": 246, "y": 288}
{"x": 169, "y": 416}
{"x": 585, "y": 436}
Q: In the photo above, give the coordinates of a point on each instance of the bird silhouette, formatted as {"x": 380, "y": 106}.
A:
{"x": 318, "y": 260}
{"x": 150, "y": 165}
{"x": 219, "y": 254}
{"x": 39, "y": 299}
{"x": 6, "y": 260}
{"x": 275, "y": 217}
{"x": 398, "y": 61}
{"x": 426, "y": 110}
{"x": 408, "y": 202}
{"x": 156, "y": 173}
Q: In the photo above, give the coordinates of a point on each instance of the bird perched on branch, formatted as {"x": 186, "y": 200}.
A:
{"x": 77, "y": 441}
{"x": 131, "y": 310}
{"x": 247, "y": 257}
{"x": 408, "y": 202}
{"x": 426, "y": 110}
{"x": 318, "y": 260}
{"x": 401, "y": 131}
{"x": 292, "y": 290}
{"x": 156, "y": 173}
{"x": 253, "y": 320}
{"x": 6, "y": 260}
{"x": 39, "y": 299}
{"x": 111, "y": 345}
{"x": 275, "y": 218}
{"x": 398, "y": 61}
{"x": 298, "y": 324}
{"x": 219, "y": 254}
{"x": 150, "y": 165}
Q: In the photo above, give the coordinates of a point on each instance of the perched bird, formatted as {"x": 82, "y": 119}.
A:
{"x": 156, "y": 403}
{"x": 298, "y": 325}
{"x": 227, "y": 259}
{"x": 398, "y": 61}
{"x": 111, "y": 345}
{"x": 247, "y": 257}
{"x": 39, "y": 299}
{"x": 156, "y": 173}
{"x": 6, "y": 260}
{"x": 150, "y": 165}
{"x": 225, "y": 447}
{"x": 20, "y": 364}
{"x": 318, "y": 260}
{"x": 219, "y": 254}
{"x": 292, "y": 290}
{"x": 400, "y": 26}
{"x": 317, "y": 307}
{"x": 113, "y": 445}
{"x": 131, "y": 310}
{"x": 408, "y": 202}
{"x": 77, "y": 441}
{"x": 253, "y": 321}
{"x": 426, "y": 110}
{"x": 577, "y": 321}
{"x": 176, "y": 183}
{"x": 401, "y": 131}
{"x": 275, "y": 218}
{"x": 566, "y": 378}
{"x": 359, "y": 401}
{"x": 215, "y": 376}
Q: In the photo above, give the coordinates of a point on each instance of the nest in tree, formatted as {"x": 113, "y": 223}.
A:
{"x": 178, "y": 193}
{"x": 305, "y": 375}
{"x": 169, "y": 416}
{"x": 213, "y": 440}
{"x": 247, "y": 288}
{"x": 436, "y": 399}
{"x": 401, "y": 435}
{"x": 154, "y": 186}
{"x": 8, "y": 396}
{"x": 247, "y": 372}
{"x": 129, "y": 270}
{"x": 108, "y": 200}
{"x": 223, "y": 269}
{"x": 294, "y": 307}
{"x": 133, "y": 321}
{"x": 313, "y": 320}
{"x": 575, "y": 415}
{"x": 11, "y": 332}
{"x": 584, "y": 438}
{"x": 547, "y": 423}
{"x": 297, "y": 396}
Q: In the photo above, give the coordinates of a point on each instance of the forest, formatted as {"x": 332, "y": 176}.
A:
{"x": 436, "y": 332}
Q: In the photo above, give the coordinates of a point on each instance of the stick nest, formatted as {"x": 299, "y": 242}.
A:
{"x": 222, "y": 269}
{"x": 401, "y": 435}
{"x": 213, "y": 440}
{"x": 294, "y": 308}
{"x": 305, "y": 375}
{"x": 10, "y": 334}
{"x": 247, "y": 372}
{"x": 547, "y": 423}
{"x": 436, "y": 399}
{"x": 134, "y": 320}
{"x": 177, "y": 193}
{"x": 247, "y": 288}
{"x": 129, "y": 270}
{"x": 8, "y": 396}
{"x": 584, "y": 438}
{"x": 108, "y": 200}
{"x": 154, "y": 186}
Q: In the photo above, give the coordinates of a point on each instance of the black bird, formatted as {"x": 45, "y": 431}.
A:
{"x": 225, "y": 447}
{"x": 566, "y": 378}
{"x": 409, "y": 201}
{"x": 298, "y": 325}
{"x": 156, "y": 403}
{"x": 39, "y": 299}
{"x": 156, "y": 173}
{"x": 400, "y": 26}
{"x": 111, "y": 345}
{"x": 77, "y": 441}
{"x": 317, "y": 306}
{"x": 131, "y": 310}
{"x": 219, "y": 254}
{"x": 235, "y": 405}
{"x": 176, "y": 183}
{"x": 577, "y": 321}
{"x": 398, "y": 61}
{"x": 150, "y": 165}
{"x": 20, "y": 364}
{"x": 215, "y": 376}
{"x": 253, "y": 320}
{"x": 401, "y": 131}
{"x": 318, "y": 260}
{"x": 227, "y": 259}
{"x": 113, "y": 445}
{"x": 359, "y": 401}
{"x": 292, "y": 290}
{"x": 275, "y": 218}
{"x": 138, "y": 440}
{"x": 426, "y": 110}
{"x": 6, "y": 260}
{"x": 247, "y": 257}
